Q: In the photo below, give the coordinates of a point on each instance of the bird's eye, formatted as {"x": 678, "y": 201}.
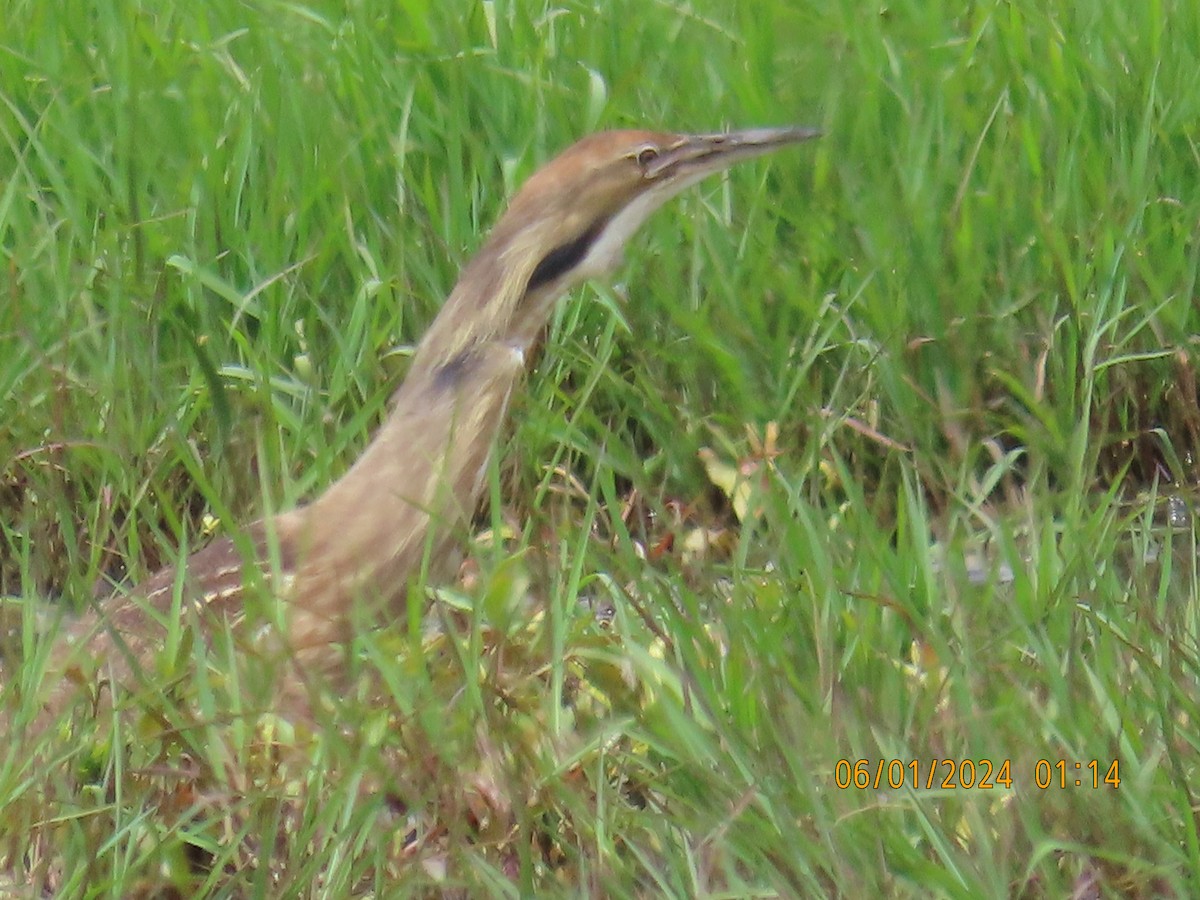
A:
{"x": 646, "y": 156}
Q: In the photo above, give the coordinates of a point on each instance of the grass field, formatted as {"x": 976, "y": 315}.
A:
{"x": 951, "y": 346}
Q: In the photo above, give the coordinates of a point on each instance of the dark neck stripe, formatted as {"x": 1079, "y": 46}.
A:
{"x": 564, "y": 258}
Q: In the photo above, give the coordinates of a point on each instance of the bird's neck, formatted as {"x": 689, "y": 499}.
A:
{"x": 505, "y": 293}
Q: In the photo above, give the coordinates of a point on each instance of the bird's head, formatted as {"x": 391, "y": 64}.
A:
{"x": 579, "y": 210}
{"x": 572, "y": 219}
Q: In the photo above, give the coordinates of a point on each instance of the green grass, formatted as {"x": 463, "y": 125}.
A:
{"x": 970, "y": 309}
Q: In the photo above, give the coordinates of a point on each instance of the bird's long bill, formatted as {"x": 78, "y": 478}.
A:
{"x": 696, "y": 155}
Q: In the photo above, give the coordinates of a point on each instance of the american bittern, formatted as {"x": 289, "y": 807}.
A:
{"x": 362, "y": 540}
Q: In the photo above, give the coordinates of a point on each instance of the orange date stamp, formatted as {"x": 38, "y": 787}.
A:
{"x": 973, "y": 774}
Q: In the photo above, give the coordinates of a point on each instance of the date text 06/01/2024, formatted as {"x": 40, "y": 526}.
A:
{"x": 972, "y": 774}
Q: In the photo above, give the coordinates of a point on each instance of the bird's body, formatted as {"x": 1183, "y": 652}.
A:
{"x": 357, "y": 546}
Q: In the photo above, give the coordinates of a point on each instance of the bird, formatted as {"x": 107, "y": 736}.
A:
{"x": 350, "y": 554}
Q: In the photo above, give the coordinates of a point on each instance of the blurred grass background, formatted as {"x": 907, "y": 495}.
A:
{"x": 970, "y": 309}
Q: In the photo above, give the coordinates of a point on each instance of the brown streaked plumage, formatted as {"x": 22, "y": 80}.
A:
{"x": 363, "y": 539}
